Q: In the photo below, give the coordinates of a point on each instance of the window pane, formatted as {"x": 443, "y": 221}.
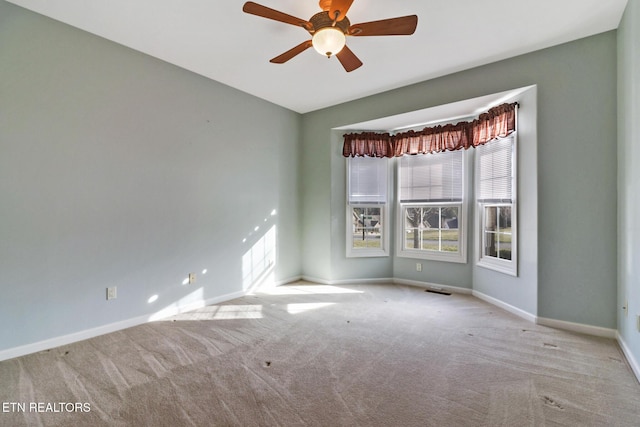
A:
{"x": 431, "y": 218}
{"x": 411, "y": 239}
{"x": 431, "y": 239}
{"x": 412, "y": 223}
{"x": 505, "y": 253}
{"x": 449, "y": 218}
{"x": 504, "y": 236}
{"x": 412, "y": 218}
{"x": 430, "y": 235}
{"x": 504, "y": 218}
{"x": 450, "y": 233}
{"x": 432, "y": 228}
{"x": 490, "y": 218}
{"x": 497, "y": 232}
{"x": 490, "y": 248}
{"x": 367, "y": 225}
{"x": 451, "y": 245}
{"x": 490, "y": 227}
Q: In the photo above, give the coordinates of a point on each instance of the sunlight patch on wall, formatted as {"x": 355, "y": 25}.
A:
{"x": 259, "y": 261}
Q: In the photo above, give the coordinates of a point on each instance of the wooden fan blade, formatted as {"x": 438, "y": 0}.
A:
{"x": 281, "y": 59}
{"x": 402, "y": 26}
{"x": 348, "y": 59}
{"x": 341, "y": 7}
{"x": 266, "y": 12}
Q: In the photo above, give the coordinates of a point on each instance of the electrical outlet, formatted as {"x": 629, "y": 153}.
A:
{"x": 418, "y": 266}
{"x": 112, "y": 293}
{"x": 192, "y": 278}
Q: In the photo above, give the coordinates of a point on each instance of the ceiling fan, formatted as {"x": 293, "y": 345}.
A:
{"x": 330, "y": 27}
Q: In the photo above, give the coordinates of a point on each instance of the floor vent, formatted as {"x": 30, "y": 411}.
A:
{"x": 438, "y": 291}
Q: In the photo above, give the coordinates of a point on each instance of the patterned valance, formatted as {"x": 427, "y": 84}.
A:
{"x": 498, "y": 122}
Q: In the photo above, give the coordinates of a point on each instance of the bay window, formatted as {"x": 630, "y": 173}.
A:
{"x": 431, "y": 199}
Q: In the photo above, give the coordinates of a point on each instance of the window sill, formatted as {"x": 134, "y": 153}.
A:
{"x": 504, "y": 267}
{"x": 367, "y": 253}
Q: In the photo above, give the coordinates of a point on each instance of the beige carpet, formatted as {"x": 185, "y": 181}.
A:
{"x": 311, "y": 355}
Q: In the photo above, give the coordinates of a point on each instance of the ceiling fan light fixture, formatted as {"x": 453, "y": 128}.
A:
{"x": 329, "y": 41}
{"x": 329, "y": 30}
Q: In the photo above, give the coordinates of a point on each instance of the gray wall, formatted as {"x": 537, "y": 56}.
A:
{"x": 576, "y": 164}
{"x": 629, "y": 178}
{"x": 117, "y": 169}
{"x": 521, "y": 291}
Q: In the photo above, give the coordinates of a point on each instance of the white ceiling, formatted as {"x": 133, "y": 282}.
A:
{"x": 217, "y": 40}
{"x": 446, "y": 113}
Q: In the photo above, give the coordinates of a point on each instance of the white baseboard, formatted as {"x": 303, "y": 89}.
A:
{"x": 433, "y": 286}
{"x": 633, "y": 363}
{"x": 577, "y": 327}
{"x": 70, "y": 338}
{"x": 508, "y": 307}
{"x": 268, "y": 281}
{"x": 347, "y": 281}
{"x": 111, "y": 327}
{"x": 287, "y": 281}
{"x": 552, "y": 323}
{"x": 315, "y": 280}
{"x": 416, "y": 283}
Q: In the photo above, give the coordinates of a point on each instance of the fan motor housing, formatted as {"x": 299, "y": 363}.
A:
{"x": 323, "y": 20}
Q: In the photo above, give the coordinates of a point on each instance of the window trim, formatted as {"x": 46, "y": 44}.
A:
{"x": 509, "y": 267}
{"x": 383, "y": 251}
{"x": 460, "y": 257}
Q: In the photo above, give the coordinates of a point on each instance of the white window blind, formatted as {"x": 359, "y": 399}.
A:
{"x": 431, "y": 177}
{"x": 367, "y": 180}
{"x": 494, "y": 172}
